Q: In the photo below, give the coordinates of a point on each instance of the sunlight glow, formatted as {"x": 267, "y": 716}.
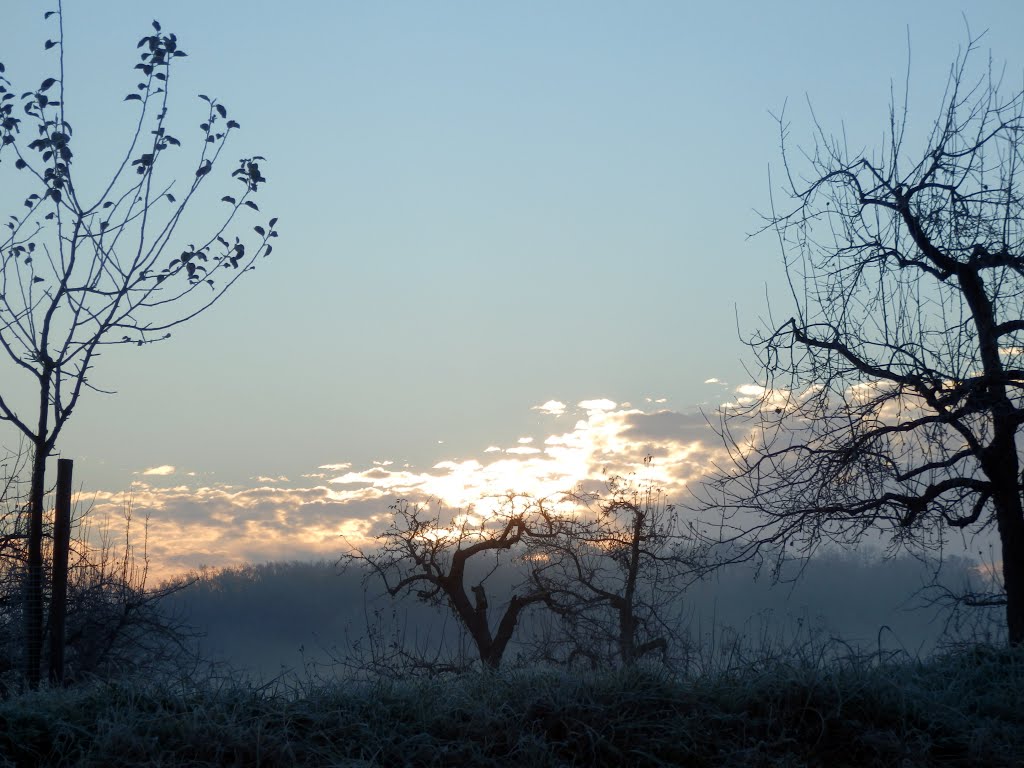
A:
{"x": 163, "y": 469}
{"x": 551, "y": 407}
{"x": 325, "y": 512}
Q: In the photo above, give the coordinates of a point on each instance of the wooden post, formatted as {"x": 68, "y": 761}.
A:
{"x": 61, "y": 545}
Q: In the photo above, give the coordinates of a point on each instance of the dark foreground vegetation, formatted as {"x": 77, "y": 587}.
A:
{"x": 801, "y": 708}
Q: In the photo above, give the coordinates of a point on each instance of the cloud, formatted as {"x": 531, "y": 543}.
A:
{"x": 597, "y": 405}
{"x": 747, "y": 394}
{"x": 611, "y": 440}
{"x": 194, "y": 522}
{"x": 197, "y": 522}
{"x": 187, "y": 527}
{"x": 163, "y": 469}
{"x": 667, "y": 426}
{"x": 551, "y": 407}
{"x": 712, "y": 380}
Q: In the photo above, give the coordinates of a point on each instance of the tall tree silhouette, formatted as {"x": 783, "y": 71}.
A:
{"x": 89, "y": 262}
{"x": 892, "y": 396}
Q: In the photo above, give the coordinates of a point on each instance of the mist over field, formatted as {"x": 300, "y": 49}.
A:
{"x": 276, "y": 617}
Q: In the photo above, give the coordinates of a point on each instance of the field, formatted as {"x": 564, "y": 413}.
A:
{"x": 801, "y": 708}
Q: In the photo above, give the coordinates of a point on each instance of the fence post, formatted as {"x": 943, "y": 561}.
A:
{"x": 61, "y": 545}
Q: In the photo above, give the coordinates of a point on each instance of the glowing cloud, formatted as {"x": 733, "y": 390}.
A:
{"x": 597, "y": 405}
{"x": 551, "y": 407}
{"x": 163, "y": 469}
{"x": 220, "y": 525}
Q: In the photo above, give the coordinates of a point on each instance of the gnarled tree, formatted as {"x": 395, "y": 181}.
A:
{"x": 892, "y": 397}
{"x": 87, "y": 262}
{"x": 438, "y": 560}
{"x": 615, "y": 572}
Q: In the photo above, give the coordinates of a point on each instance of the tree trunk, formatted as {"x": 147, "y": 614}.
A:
{"x": 1013, "y": 579}
{"x": 627, "y": 619}
{"x": 627, "y": 633}
{"x": 999, "y": 460}
{"x": 1011, "y": 535}
{"x": 1000, "y": 463}
{"x": 34, "y": 583}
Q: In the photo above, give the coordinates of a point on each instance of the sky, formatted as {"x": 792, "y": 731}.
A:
{"x": 514, "y": 241}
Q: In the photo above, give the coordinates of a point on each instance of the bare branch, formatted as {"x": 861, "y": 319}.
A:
{"x": 890, "y": 401}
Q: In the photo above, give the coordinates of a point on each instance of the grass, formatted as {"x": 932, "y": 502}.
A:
{"x": 957, "y": 709}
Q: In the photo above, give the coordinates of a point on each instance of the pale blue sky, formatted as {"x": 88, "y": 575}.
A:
{"x": 482, "y": 207}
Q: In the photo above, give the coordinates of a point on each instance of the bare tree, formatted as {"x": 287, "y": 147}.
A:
{"x": 616, "y": 572}
{"x": 12, "y": 556}
{"x": 116, "y": 623}
{"x": 437, "y": 560}
{"x": 892, "y": 397}
{"x": 12, "y": 538}
{"x": 87, "y": 262}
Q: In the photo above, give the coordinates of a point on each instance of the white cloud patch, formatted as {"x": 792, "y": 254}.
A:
{"x": 747, "y": 394}
{"x": 551, "y": 407}
{"x": 597, "y": 405}
{"x": 162, "y": 470}
{"x": 712, "y": 380}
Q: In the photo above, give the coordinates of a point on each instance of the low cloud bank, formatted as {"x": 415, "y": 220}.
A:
{"x": 194, "y": 524}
